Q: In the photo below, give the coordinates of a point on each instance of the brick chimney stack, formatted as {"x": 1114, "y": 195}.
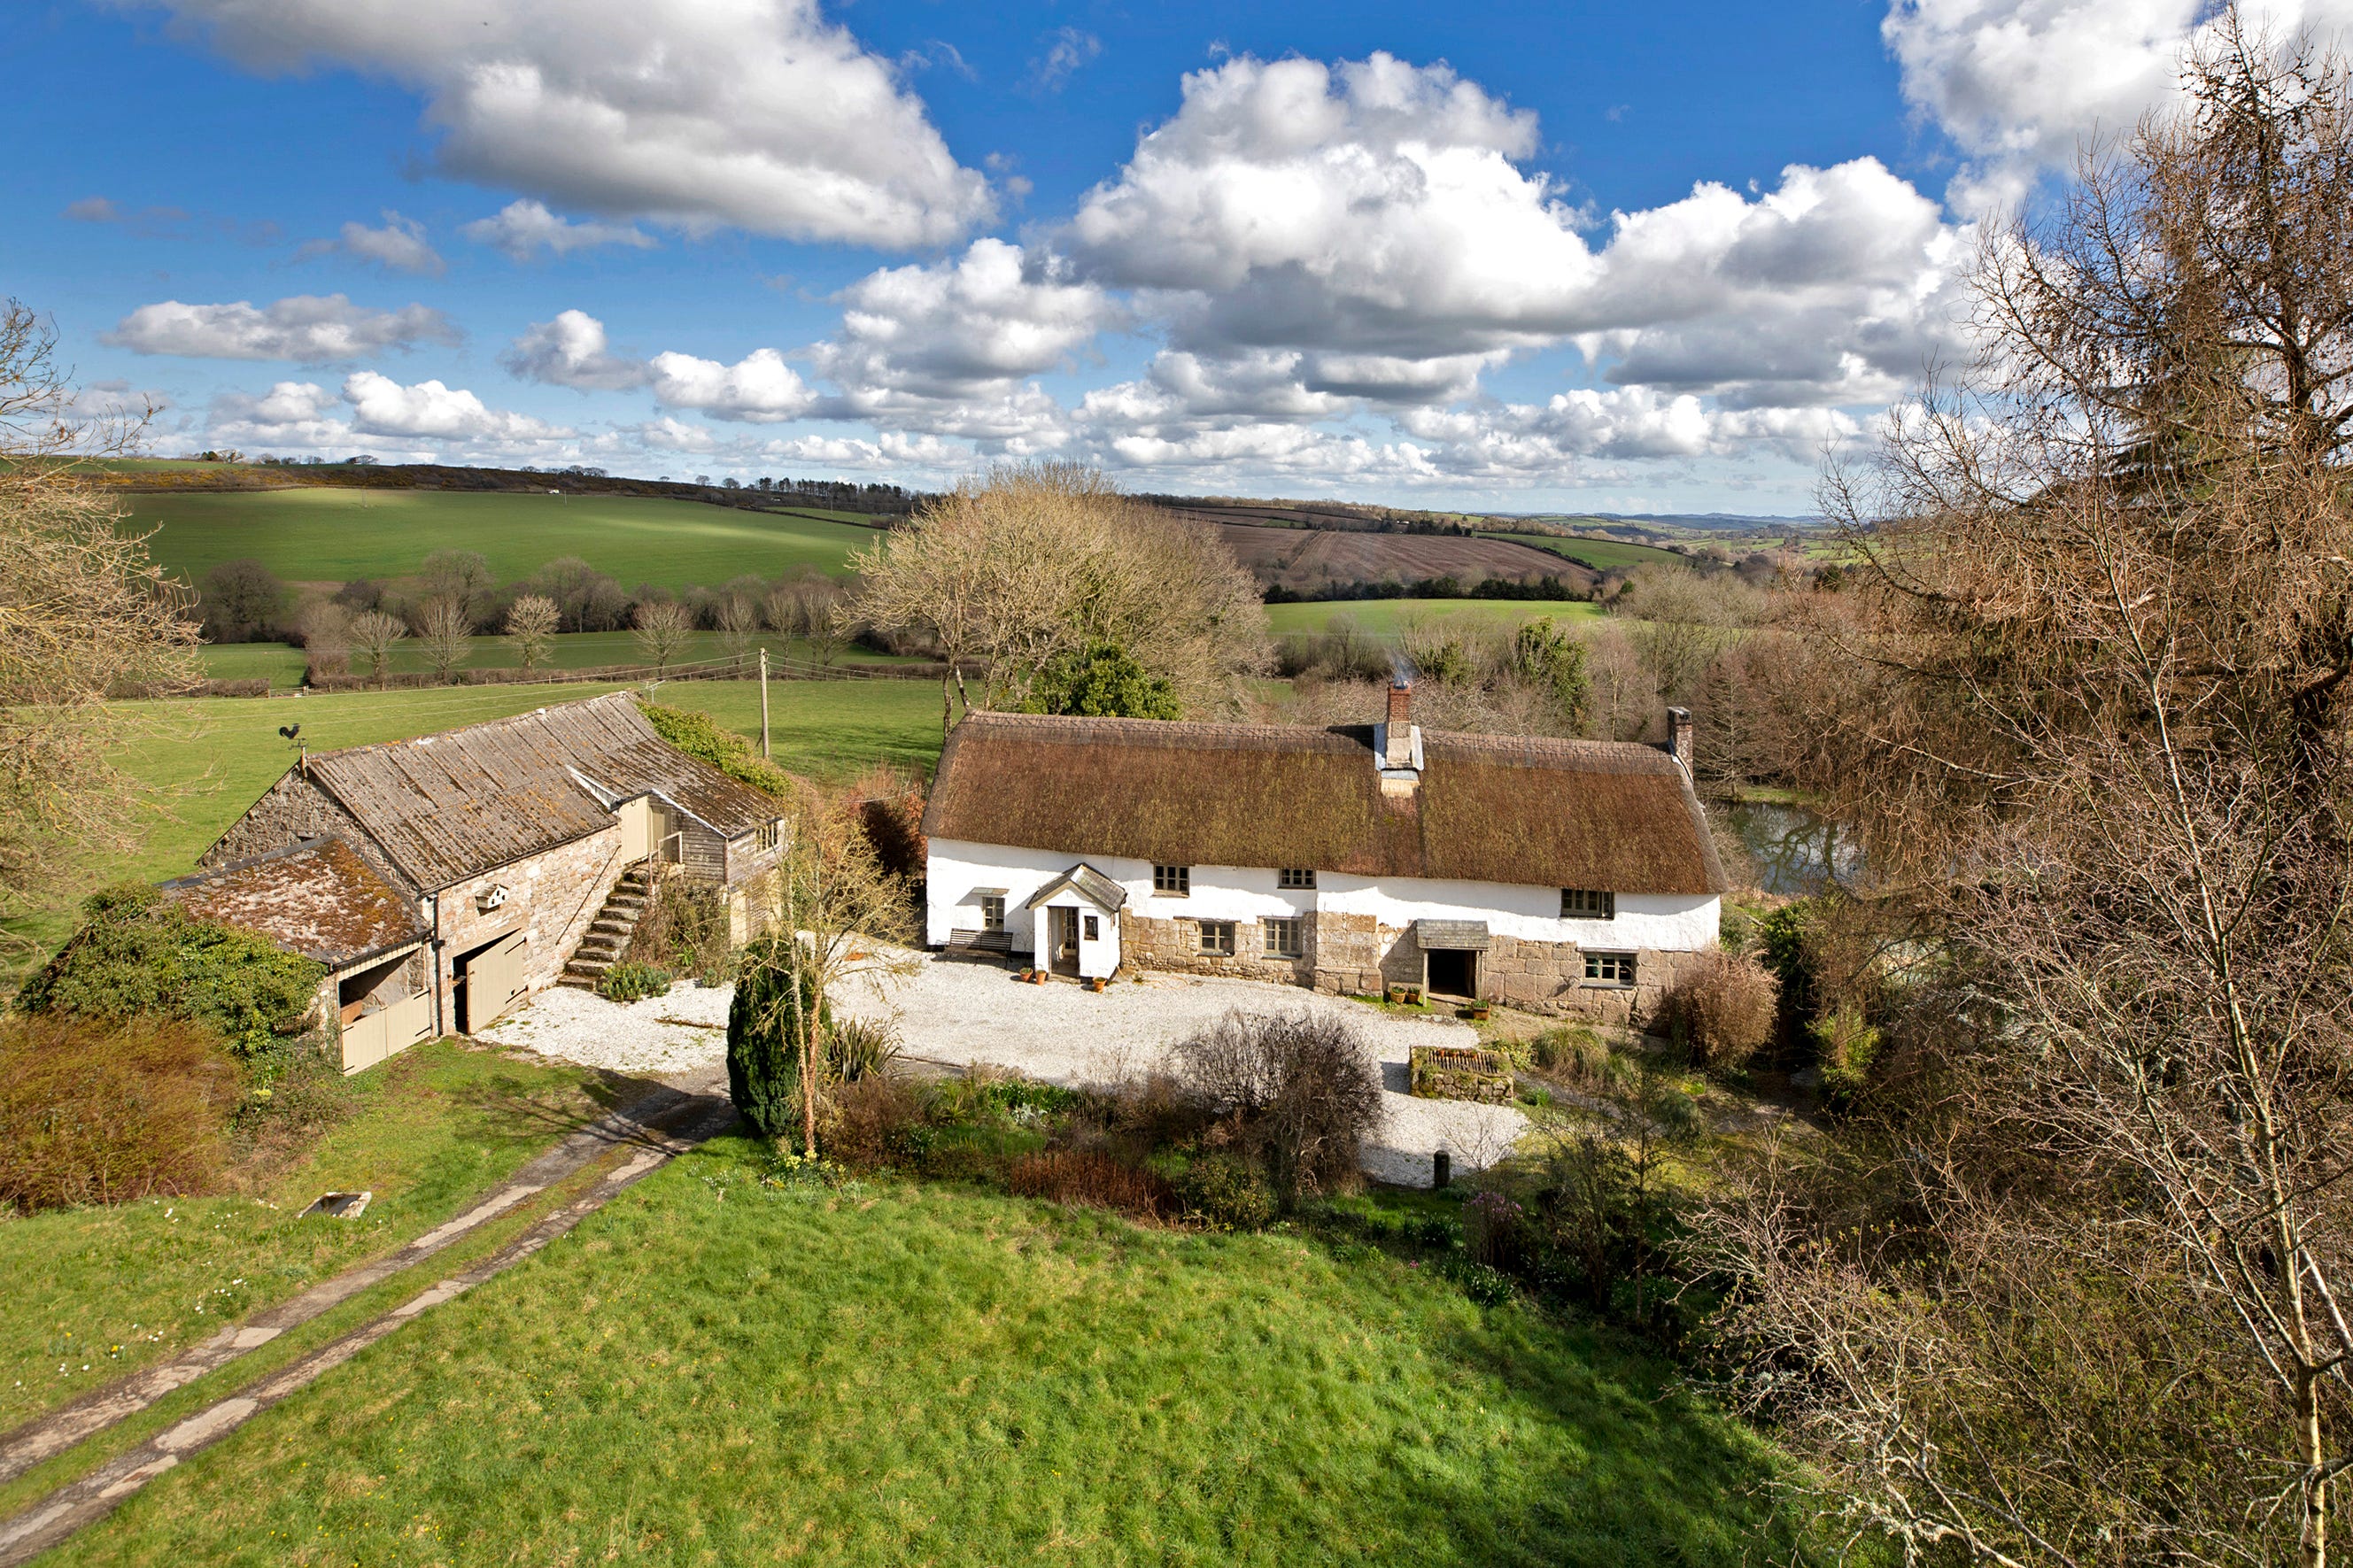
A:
{"x": 1398, "y": 750}
{"x": 1678, "y": 736}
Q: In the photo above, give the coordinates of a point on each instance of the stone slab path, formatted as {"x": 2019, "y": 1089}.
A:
{"x": 661, "y": 1126}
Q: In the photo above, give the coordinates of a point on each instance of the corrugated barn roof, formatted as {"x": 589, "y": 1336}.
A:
{"x": 453, "y": 805}
{"x": 317, "y": 899}
{"x": 1543, "y": 813}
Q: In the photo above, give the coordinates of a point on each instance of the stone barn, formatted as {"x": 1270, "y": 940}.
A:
{"x": 1569, "y": 877}
{"x": 522, "y": 849}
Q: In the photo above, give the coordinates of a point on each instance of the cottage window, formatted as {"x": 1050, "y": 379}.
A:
{"x": 1218, "y": 938}
{"x": 1094, "y": 931}
{"x": 992, "y": 912}
{"x": 1294, "y": 876}
{"x": 1587, "y": 904}
{"x": 1609, "y": 969}
{"x": 1286, "y": 937}
{"x": 1173, "y": 882}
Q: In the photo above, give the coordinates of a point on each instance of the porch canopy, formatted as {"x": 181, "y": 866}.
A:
{"x": 1089, "y": 884}
{"x": 1451, "y": 936}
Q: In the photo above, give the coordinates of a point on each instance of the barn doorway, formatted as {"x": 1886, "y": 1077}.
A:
{"x": 1454, "y": 972}
{"x": 489, "y": 979}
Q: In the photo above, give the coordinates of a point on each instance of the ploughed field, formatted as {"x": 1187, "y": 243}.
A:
{"x": 317, "y": 534}
{"x": 1394, "y": 617}
{"x": 1600, "y": 554}
{"x": 1304, "y": 559}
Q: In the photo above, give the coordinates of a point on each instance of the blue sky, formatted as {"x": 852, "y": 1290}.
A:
{"x": 1510, "y": 255}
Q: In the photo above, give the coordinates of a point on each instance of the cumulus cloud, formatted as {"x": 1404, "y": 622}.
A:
{"x": 400, "y": 245}
{"x": 758, "y": 114}
{"x": 298, "y": 414}
{"x": 309, "y": 329}
{"x": 522, "y": 227}
{"x": 758, "y": 389}
{"x": 2021, "y": 84}
{"x": 570, "y": 352}
{"x": 383, "y": 406}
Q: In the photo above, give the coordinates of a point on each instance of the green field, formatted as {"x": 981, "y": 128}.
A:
{"x": 281, "y": 663}
{"x": 1601, "y": 554}
{"x": 727, "y": 1366}
{"x": 321, "y": 535}
{"x": 1389, "y": 618}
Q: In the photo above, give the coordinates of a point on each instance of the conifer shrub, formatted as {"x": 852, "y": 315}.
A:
{"x": 764, "y": 1076}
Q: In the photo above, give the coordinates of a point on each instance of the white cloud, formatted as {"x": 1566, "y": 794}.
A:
{"x": 309, "y": 329}
{"x": 297, "y": 414}
{"x": 755, "y": 113}
{"x": 758, "y": 389}
{"x": 383, "y": 406}
{"x": 522, "y": 227}
{"x": 2021, "y": 84}
{"x": 996, "y": 313}
{"x": 570, "y": 352}
{"x": 1067, "y": 48}
{"x": 400, "y": 245}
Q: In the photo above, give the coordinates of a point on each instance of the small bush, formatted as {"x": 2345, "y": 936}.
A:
{"x": 700, "y": 735}
{"x": 294, "y": 1092}
{"x": 138, "y": 954}
{"x": 685, "y": 930}
{"x": 858, "y": 1049}
{"x": 1091, "y": 1177}
{"x": 97, "y": 1111}
{"x": 872, "y": 1119}
{"x": 1494, "y": 1229}
{"x": 1845, "y": 1046}
{"x": 1220, "y": 1193}
{"x": 1723, "y": 1006}
{"x": 630, "y": 980}
{"x": 1302, "y": 1088}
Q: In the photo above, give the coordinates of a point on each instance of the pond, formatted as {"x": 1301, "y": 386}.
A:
{"x": 1796, "y": 853}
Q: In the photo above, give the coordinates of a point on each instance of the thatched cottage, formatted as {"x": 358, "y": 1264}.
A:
{"x": 444, "y": 879}
{"x": 1562, "y": 876}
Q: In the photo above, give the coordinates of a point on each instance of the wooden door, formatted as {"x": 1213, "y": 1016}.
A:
{"x": 637, "y": 829}
{"x": 495, "y": 981}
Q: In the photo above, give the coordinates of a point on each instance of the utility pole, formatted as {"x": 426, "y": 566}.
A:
{"x": 764, "y": 704}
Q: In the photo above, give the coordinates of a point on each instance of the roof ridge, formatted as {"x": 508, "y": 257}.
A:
{"x": 503, "y": 720}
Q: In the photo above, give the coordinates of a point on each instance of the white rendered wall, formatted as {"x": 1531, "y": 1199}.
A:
{"x": 958, "y": 869}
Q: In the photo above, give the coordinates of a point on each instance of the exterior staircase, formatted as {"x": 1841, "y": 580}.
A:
{"x": 608, "y": 933}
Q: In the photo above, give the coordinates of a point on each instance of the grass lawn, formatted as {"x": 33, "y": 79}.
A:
{"x": 1387, "y": 617}
{"x": 281, "y": 663}
{"x": 97, "y": 1292}
{"x": 312, "y": 535}
{"x": 712, "y": 1370}
{"x": 1601, "y": 554}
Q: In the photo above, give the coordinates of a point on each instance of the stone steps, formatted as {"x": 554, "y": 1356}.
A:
{"x": 609, "y": 935}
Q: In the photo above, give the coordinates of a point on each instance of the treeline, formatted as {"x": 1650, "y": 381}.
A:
{"x": 1546, "y": 588}
{"x": 232, "y": 470}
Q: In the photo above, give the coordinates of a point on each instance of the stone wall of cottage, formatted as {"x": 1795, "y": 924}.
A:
{"x": 295, "y": 809}
{"x": 1146, "y": 943}
{"x": 553, "y": 896}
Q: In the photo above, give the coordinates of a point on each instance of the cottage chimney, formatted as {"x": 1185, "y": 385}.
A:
{"x": 1678, "y": 736}
{"x": 1397, "y": 747}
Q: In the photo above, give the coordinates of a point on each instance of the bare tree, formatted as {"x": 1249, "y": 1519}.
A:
{"x": 445, "y": 634}
{"x": 663, "y": 627}
{"x": 2074, "y": 1291}
{"x": 739, "y": 624}
{"x": 838, "y": 920}
{"x": 87, "y": 613}
{"x": 326, "y": 631}
{"x": 374, "y": 633}
{"x": 461, "y": 576}
{"x": 1042, "y": 559}
{"x": 531, "y": 622}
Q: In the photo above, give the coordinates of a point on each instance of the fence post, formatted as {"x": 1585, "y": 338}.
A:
{"x": 763, "y": 705}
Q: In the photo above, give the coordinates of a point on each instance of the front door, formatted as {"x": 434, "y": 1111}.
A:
{"x": 1453, "y": 971}
{"x": 1062, "y": 939}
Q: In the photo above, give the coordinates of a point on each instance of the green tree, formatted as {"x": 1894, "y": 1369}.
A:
{"x": 1102, "y": 680}
{"x": 1547, "y": 656}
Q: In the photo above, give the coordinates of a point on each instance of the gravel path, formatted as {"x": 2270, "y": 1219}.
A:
{"x": 957, "y": 1012}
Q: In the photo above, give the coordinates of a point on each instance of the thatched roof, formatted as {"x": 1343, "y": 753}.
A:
{"x": 450, "y": 806}
{"x": 1542, "y": 812}
{"x": 317, "y": 898}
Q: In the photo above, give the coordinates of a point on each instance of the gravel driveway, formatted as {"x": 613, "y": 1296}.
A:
{"x": 957, "y": 1012}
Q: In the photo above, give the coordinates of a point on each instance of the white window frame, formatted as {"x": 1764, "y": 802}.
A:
{"x": 995, "y": 921}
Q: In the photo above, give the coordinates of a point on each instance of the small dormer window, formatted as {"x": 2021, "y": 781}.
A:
{"x": 1173, "y": 882}
{"x": 1587, "y": 904}
{"x": 768, "y": 836}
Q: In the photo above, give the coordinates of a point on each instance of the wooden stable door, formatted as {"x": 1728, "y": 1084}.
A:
{"x": 495, "y": 981}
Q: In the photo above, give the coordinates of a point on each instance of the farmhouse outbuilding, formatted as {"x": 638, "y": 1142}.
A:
{"x": 1564, "y": 876}
{"x": 499, "y": 847}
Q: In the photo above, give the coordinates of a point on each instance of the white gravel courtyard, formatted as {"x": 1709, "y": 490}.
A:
{"x": 957, "y": 1012}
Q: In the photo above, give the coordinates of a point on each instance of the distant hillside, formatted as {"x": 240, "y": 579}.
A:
{"x": 1313, "y": 562}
